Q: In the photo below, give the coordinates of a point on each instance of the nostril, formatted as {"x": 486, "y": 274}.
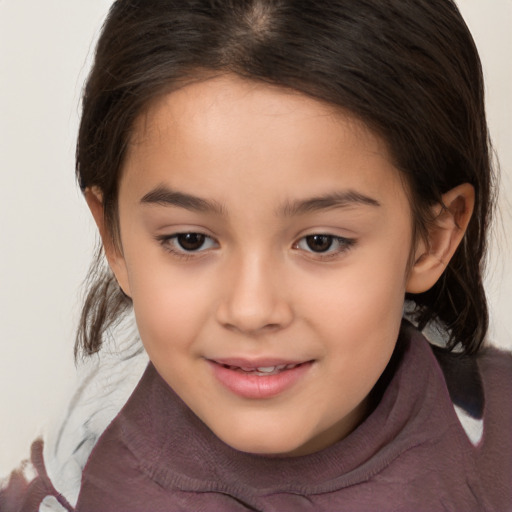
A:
{"x": 256, "y": 328}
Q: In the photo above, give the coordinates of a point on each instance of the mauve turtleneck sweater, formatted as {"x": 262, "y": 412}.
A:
{"x": 410, "y": 454}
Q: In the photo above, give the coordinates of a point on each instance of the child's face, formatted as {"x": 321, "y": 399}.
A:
{"x": 300, "y": 233}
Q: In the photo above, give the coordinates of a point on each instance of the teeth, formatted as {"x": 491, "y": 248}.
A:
{"x": 263, "y": 370}
{"x": 267, "y": 369}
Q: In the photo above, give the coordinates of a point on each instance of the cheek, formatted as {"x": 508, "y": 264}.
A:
{"x": 361, "y": 310}
{"x": 169, "y": 306}
{"x": 369, "y": 290}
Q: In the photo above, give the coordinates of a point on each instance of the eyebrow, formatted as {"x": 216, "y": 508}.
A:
{"x": 164, "y": 196}
{"x": 342, "y": 199}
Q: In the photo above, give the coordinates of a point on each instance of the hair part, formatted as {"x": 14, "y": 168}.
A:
{"x": 409, "y": 69}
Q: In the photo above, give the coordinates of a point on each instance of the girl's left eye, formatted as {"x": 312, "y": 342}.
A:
{"x": 324, "y": 245}
{"x": 187, "y": 243}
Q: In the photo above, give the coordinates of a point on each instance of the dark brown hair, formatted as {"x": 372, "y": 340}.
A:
{"x": 408, "y": 68}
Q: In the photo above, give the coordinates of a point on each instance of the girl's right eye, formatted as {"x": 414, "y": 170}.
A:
{"x": 186, "y": 244}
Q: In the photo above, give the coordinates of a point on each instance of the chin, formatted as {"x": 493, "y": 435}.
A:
{"x": 266, "y": 445}
{"x": 269, "y": 450}
{"x": 257, "y": 443}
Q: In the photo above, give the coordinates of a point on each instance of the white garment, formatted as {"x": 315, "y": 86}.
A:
{"x": 105, "y": 382}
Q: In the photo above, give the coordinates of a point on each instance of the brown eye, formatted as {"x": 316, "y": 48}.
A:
{"x": 319, "y": 243}
{"x": 322, "y": 246}
{"x": 187, "y": 245}
{"x": 191, "y": 241}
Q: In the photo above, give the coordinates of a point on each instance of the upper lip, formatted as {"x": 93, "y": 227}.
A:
{"x": 263, "y": 362}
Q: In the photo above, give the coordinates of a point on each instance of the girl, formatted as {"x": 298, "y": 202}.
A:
{"x": 288, "y": 193}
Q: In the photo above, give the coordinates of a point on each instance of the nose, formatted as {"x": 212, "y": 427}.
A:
{"x": 254, "y": 299}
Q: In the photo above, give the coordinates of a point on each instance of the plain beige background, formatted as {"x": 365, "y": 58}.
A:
{"x": 47, "y": 237}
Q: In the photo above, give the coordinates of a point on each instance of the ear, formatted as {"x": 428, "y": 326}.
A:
{"x": 451, "y": 218}
{"x": 115, "y": 258}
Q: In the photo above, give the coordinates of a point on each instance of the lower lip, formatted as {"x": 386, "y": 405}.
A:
{"x": 247, "y": 385}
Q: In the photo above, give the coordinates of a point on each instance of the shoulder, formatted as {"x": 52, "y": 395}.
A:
{"x": 51, "y": 480}
{"x": 104, "y": 387}
{"x": 480, "y": 387}
{"x": 29, "y": 488}
{"x": 496, "y": 365}
{"x": 494, "y": 453}
{"x": 495, "y": 368}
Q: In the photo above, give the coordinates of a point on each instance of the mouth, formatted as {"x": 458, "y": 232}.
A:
{"x": 259, "y": 379}
{"x": 262, "y": 371}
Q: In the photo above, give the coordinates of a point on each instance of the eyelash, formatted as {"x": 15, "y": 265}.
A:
{"x": 170, "y": 242}
{"x": 344, "y": 245}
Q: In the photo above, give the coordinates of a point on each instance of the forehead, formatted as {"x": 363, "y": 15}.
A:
{"x": 202, "y": 107}
{"x": 228, "y": 130}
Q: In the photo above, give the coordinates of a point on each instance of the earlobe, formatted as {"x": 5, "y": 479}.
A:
{"x": 445, "y": 233}
{"x": 115, "y": 258}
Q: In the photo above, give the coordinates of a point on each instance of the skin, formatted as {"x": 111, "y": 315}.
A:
{"x": 255, "y": 288}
